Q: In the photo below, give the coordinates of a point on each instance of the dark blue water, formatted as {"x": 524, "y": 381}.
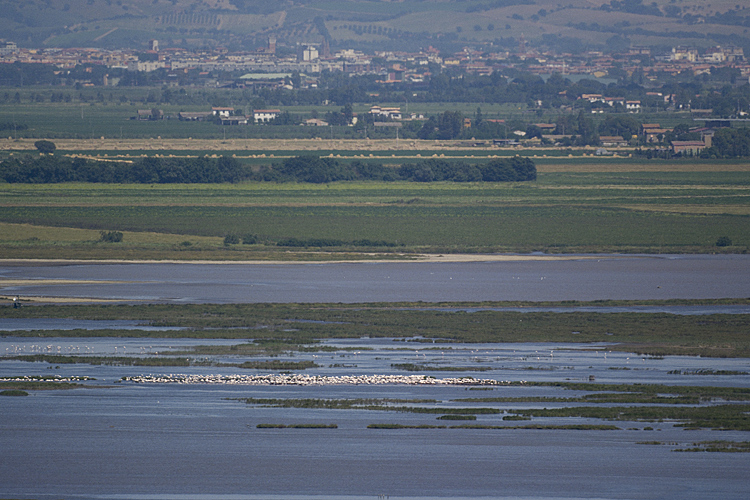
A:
{"x": 579, "y": 278}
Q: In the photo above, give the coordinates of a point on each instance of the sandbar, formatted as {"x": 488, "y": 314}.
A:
{"x": 398, "y": 258}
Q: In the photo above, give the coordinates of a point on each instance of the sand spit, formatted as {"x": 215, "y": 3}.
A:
{"x": 400, "y": 258}
{"x": 46, "y": 282}
{"x": 39, "y": 299}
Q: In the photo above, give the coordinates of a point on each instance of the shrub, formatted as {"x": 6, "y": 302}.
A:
{"x": 250, "y": 239}
{"x": 231, "y": 239}
{"x": 45, "y": 146}
{"x": 110, "y": 236}
{"x": 13, "y": 392}
{"x": 724, "y": 241}
{"x": 457, "y": 417}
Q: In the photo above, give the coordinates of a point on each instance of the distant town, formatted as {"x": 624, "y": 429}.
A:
{"x": 264, "y": 67}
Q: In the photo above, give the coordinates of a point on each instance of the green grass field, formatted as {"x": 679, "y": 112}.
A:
{"x": 619, "y": 211}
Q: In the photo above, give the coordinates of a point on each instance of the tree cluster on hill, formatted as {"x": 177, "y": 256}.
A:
{"x": 321, "y": 170}
{"x": 149, "y": 170}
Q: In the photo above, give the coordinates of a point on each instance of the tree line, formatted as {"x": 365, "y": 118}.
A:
{"x": 322, "y": 170}
{"x": 160, "y": 170}
{"x": 49, "y": 169}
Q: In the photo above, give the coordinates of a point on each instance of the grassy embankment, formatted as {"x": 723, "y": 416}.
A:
{"x": 576, "y": 205}
{"x": 269, "y": 326}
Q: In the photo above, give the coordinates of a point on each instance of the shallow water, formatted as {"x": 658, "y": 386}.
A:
{"x": 581, "y": 278}
{"x": 117, "y": 440}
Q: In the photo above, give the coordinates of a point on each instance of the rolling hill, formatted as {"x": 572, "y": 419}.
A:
{"x": 572, "y": 26}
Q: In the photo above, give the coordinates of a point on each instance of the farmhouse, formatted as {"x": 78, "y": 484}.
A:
{"x": 611, "y": 101}
{"x": 612, "y": 140}
{"x": 265, "y": 115}
{"x": 194, "y": 117}
{"x": 547, "y": 128}
{"x": 592, "y": 98}
{"x": 234, "y": 120}
{"x": 688, "y": 147}
{"x": 387, "y": 113}
{"x": 222, "y": 111}
{"x": 633, "y": 106}
{"x": 652, "y": 132}
{"x": 315, "y": 122}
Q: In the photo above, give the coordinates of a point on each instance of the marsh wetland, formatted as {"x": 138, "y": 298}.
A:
{"x": 282, "y": 399}
{"x": 580, "y": 410}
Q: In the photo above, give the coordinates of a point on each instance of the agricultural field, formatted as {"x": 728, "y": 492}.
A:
{"x": 576, "y": 205}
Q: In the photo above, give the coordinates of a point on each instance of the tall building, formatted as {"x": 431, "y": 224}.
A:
{"x": 309, "y": 54}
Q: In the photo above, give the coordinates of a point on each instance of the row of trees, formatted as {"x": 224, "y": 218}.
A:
{"x": 158, "y": 170}
{"x": 149, "y": 170}
{"x": 322, "y": 170}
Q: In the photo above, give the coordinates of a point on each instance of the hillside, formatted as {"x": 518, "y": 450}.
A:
{"x": 374, "y": 25}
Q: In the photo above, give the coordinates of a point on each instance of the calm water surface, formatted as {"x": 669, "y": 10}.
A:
{"x": 605, "y": 277}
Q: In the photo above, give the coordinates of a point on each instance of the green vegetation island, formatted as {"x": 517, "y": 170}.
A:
{"x": 272, "y": 329}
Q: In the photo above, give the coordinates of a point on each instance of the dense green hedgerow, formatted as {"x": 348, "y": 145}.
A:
{"x": 175, "y": 170}
{"x": 148, "y": 170}
{"x": 321, "y": 170}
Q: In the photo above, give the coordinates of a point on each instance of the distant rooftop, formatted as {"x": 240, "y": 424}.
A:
{"x": 265, "y": 76}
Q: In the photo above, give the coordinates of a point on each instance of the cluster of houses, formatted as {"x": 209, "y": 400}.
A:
{"x": 229, "y": 116}
{"x": 630, "y": 106}
{"x": 223, "y": 115}
{"x": 651, "y": 133}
